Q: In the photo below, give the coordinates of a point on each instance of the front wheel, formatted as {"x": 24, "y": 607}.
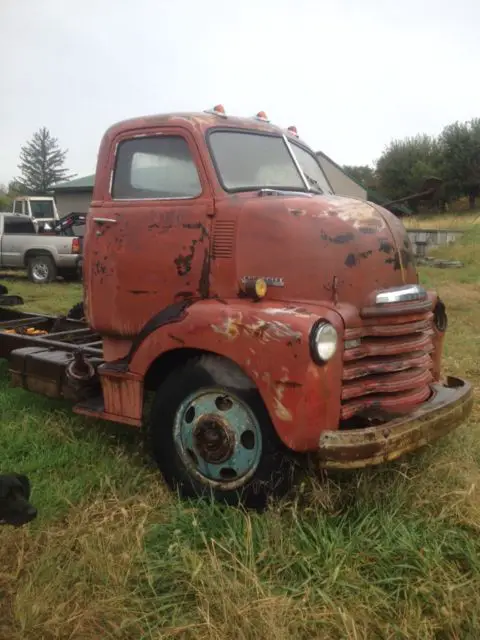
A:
{"x": 211, "y": 434}
{"x": 41, "y": 269}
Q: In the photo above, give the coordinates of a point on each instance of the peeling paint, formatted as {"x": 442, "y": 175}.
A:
{"x": 386, "y": 246}
{"x": 262, "y": 330}
{"x": 341, "y": 238}
{"x": 353, "y": 259}
{"x": 230, "y": 328}
{"x": 297, "y": 212}
{"x": 281, "y": 411}
{"x": 266, "y": 331}
{"x": 183, "y": 262}
{"x": 279, "y": 387}
{"x": 299, "y": 312}
{"x": 358, "y": 213}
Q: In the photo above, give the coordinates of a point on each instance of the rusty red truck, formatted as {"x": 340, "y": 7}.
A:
{"x": 269, "y": 317}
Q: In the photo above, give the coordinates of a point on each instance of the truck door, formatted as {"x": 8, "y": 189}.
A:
{"x": 147, "y": 239}
{"x": 15, "y": 233}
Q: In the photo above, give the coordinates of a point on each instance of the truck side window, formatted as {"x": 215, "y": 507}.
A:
{"x": 18, "y": 226}
{"x": 155, "y": 167}
{"x": 17, "y": 206}
{"x": 42, "y": 208}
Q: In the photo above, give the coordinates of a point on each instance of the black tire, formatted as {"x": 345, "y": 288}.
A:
{"x": 77, "y": 312}
{"x": 271, "y": 477}
{"x": 41, "y": 269}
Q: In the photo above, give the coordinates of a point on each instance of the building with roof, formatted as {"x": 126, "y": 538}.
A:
{"x": 74, "y": 196}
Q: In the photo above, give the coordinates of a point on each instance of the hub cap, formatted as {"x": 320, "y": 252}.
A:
{"x": 218, "y": 438}
{"x": 40, "y": 271}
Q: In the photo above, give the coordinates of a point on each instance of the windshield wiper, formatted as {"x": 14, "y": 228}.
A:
{"x": 278, "y": 191}
{"x": 313, "y": 182}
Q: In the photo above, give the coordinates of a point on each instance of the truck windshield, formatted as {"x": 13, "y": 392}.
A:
{"x": 311, "y": 168}
{"x": 42, "y": 208}
{"x": 248, "y": 161}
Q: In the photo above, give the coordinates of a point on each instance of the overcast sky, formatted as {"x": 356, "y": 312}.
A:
{"x": 350, "y": 74}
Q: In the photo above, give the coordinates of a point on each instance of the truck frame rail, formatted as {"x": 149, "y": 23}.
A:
{"x": 20, "y": 329}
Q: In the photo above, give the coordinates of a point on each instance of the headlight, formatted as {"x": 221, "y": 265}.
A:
{"x": 323, "y": 342}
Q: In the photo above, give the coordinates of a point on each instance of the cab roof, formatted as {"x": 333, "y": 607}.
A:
{"x": 199, "y": 122}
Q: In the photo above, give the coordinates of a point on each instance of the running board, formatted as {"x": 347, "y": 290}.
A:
{"x": 95, "y": 408}
{"x": 121, "y": 399}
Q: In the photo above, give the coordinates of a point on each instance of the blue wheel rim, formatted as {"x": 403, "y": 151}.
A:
{"x": 218, "y": 438}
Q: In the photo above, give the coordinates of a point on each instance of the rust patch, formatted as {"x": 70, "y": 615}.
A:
{"x": 99, "y": 268}
{"x": 367, "y": 230}
{"x": 289, "y": 384}
{"x": 183, "y": 294}
{"x": 297, "y": 212}
{"x": 230, "y": 328}
{"x": 261, "y": 330}
{"x": 342, "y": 238}
{"x": 266, "y": 331}
{"x": 357, "y": 448}
{"x": 204, "y": 282}
{"x": 183, "y": 262}
{"x": 278, "y": 390}
{"x": 166, "y": 220}
{"x": 281, "y": 411}
{"x": 299, "y": 312}
{"x": 386, "y": 246}
{"x": 353, "y": 259}
{"x": 405, "y": 256}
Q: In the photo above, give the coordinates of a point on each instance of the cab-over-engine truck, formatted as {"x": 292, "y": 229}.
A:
{"x": 270, "y": 317}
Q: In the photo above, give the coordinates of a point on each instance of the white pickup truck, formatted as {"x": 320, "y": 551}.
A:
{"x": 40, "y": 209}
{"x": 44, "y": 256}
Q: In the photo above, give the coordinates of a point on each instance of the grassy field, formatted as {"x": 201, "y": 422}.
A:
{"x": 454, "y": 220}
{"x": 387, "y": 553}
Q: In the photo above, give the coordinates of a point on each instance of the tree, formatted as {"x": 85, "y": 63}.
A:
{"x": 405, "y": 164}
{"x": 42, "y": 163}
{"x": 460, "y": 144}
{"x": 5, "y": 200}
{"x": 364, "y": 174}
{"x": 15, "y": 188}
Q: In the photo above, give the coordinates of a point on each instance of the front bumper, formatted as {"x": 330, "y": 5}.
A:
{"x": 449, "y": 406}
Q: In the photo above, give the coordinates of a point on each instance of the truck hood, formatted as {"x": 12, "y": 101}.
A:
{"x": 312, "y": 248}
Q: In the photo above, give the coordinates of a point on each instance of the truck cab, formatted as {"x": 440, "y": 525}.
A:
{"x": 42, "y": 210}
{"x": 270, "y": 318}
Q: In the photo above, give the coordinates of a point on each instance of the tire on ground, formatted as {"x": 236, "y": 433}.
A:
{"x": 210, "y": 434}
{"x": 41, "y": 269}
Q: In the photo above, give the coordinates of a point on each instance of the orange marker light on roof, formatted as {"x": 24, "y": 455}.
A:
{"x": 293, "y": 131}
{"x": 218, "y": 110}
{"x": 261, "y": 115}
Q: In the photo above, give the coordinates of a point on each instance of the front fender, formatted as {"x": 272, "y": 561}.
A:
{"x": 270, "y": 343}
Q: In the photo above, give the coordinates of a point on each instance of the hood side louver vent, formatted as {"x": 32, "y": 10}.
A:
{"x": 224, "y": 238}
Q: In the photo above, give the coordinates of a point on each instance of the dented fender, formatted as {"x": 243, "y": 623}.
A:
{"x": 269, "y": 341}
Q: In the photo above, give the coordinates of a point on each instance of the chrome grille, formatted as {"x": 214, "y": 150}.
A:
{"x": 387, "y": 364}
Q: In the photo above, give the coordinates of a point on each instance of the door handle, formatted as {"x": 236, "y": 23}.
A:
{"x": 105, "y": 220}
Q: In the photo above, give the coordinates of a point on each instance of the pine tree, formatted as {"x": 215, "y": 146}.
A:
{"x": 42, "y": 163}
